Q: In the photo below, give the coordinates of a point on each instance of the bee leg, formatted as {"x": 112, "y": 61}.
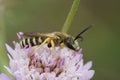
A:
{"x": 36, "y": 49}
{"x": 62, "y": 45}
{"x": 53, "y": 49}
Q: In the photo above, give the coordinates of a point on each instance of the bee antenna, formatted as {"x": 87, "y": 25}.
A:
{"x": 79, "y": 35}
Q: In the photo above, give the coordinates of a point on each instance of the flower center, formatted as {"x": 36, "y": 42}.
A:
{"x": 50, "y": 66}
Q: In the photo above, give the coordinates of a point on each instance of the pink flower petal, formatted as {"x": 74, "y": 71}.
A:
{"x": 88, "y": 65}
{"x": 10, "y": 50}
{"x": 4, "y": 77}
{"x": 90, "y": 73}
{"x": 80, "y": 51}
{"x": 19, "y": 34}
{"x": 16, "y": 44}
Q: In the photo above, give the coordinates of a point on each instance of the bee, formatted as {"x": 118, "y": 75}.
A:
{"x": 51, "y": 39}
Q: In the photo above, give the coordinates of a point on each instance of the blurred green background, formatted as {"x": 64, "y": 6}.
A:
{"x": 101, "y": 44}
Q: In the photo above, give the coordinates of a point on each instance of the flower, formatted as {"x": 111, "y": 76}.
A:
{"x": 68, "y": 65}
{"x": 4, "y": 77}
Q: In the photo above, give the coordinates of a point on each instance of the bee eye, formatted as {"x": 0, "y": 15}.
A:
{"x": 68, "y": 42}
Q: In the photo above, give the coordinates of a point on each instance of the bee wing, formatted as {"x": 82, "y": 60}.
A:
{"x": 52, "y": 35}
{"x": 22, "y": 35}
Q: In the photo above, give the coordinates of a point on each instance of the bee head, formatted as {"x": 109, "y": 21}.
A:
{"x": 71, "y": 42}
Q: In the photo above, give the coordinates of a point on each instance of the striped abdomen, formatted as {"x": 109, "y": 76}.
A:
{"x": 31, "y": 41}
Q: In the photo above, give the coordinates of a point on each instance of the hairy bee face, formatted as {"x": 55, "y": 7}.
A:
{"x": 70, "y": 43}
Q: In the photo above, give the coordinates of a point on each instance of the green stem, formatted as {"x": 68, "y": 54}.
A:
{"x": 71, "y": 15}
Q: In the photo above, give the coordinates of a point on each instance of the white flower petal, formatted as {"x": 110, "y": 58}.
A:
{"x": 88, "y": 65}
